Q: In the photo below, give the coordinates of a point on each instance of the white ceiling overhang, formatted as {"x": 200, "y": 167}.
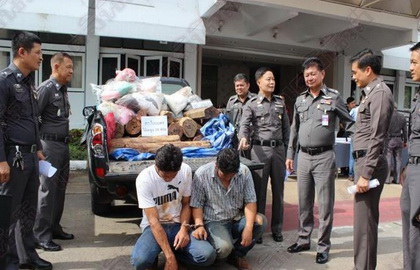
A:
{"x": 310, "y": 27}
{"x": 56, "y": 16}
{"x": 164, "y": 20}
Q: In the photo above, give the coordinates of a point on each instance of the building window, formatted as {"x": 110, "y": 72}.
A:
{"x": 5, "y": 58}
{"x": 78, "y": 75}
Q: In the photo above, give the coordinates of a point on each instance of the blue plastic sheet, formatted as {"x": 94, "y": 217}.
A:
{"x": 219, "y": 131}
{"x": 130, "y": 154}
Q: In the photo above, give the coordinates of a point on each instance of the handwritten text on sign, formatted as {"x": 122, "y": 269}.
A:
{"x": 154, "y": 126}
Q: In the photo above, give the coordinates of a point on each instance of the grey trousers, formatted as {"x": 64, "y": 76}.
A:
{"x": 275, "y": 167}
{"x": 23, "y": 187}
{"x": 316, "y": 174}
{"x": 410, "y": 202}
{"x": 52, "y": 191}
{"x": 394, "y": 159}
{"x": 366, "y": 217}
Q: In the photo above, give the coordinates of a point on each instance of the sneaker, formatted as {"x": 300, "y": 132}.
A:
{"x": 240, "y": 263}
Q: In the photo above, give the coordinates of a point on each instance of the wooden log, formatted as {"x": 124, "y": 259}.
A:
{"x": 168, "y": 114}
{"x": 119, "y": 131}
{"x": 175, "y": 129}
{"x": 133, "y": 127}
{"x": 153, "y": 147}
{"x": 189, "y": 127}
{"x": 126, "y": 142}
{"x": 198, "y": 137}
{"x": 202, "y": 113}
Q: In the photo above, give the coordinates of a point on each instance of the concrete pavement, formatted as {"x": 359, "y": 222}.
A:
{"x": 106, "y": 242}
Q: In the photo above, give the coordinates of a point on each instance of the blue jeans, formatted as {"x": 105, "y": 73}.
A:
{"x": 226, "y": 236}
{"x": 145, "y": 251}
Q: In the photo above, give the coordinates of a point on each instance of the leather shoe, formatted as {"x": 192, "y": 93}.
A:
{"x": 39, "y": 264}
{"x": 49, "y": 246}
{"x": 63, "y": 236}
{"x": 259, "y": 241}
{"x": 278, "y": 237}
{"x": 295, "y": 248}
{"x": 322, "y": 258}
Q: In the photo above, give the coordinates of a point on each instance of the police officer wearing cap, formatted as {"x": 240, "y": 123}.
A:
{"x": 54, "y": 111}
{"x": 410, "y": 199}
{"x": 20, "y": 150}
{"x": 397, "y": 140}
{"x": 235, "y": 105}
{"x": 315, "y": 113}
{"x": 266, "y": 113}
{"x": 372, "y": 124}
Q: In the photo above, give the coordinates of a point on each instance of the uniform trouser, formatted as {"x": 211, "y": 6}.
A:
{"x": 366, "y": 217}
{"x": 394, "y": 159}
{"x": 52, "y": 191}
{"x": 316, "y": 174}
{"x": 410, "y": 202}
{"x": 23, "y": 187}
{"x": 275, "y": 168}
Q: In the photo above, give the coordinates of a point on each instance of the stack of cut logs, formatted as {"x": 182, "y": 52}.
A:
{"x": 183, "y": 132}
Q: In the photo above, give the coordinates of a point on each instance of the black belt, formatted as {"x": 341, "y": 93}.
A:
{"x": 316, "y": 150}
{"x": 22, "y": 148}
{"x": 359, "y": 154}
{"x": 55, "y": 137}
{"x": 271, "y": 143}
{"x": 414, "y": 160}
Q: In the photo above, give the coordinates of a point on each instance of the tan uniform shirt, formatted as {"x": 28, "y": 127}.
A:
{"x": 372, "y": 123}
{"x": 268, "y": 118}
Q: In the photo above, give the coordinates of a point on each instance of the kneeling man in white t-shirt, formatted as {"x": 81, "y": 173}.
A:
{"x": 163, "y": 192}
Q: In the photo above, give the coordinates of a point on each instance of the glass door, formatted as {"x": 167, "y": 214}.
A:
{"x": 133, "y": 62}
{"x": 153, "y": 66}
{"x": 109, "y": 63}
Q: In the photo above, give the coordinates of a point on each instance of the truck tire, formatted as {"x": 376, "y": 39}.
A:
{"x": 101, "y": 201}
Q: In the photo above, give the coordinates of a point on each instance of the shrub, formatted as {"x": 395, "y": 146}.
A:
{"x": 77, "y": 151}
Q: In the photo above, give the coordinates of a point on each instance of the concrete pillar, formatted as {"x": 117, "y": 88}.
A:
{"x": 342, "y": 78}
{"x": 399, "y": 88}
{"x": 92, "y": 56}
{"x": 191, "y": 66}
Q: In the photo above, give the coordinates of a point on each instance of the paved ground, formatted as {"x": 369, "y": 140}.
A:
{"x": 106, "y": 242}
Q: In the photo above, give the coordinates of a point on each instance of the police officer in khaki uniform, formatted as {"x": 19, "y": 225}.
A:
{"x": 315, "y": 113}
{"x": 54, "y": 111}
{"x": 235, "y": 105}
{"x": 397, "y": 140}
{"x": 270, "y": 123}
{"x": 20, "y": 150}
{"x": 369, "y": 141}
{"x": 410, "y": 199}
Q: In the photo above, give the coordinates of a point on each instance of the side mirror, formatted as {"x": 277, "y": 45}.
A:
{"x": 88, "y": 110}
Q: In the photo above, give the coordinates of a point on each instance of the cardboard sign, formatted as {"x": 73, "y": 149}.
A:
{"x": 154, "y": 126}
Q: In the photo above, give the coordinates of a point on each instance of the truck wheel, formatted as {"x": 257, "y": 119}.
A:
{"x": 101, "y": 200}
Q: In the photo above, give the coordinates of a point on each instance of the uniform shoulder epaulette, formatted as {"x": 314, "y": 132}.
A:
{"x": 304, "y": 92}
{"x": 277, "y": 96}
{"x": 5, "y": 72}
{"x": 332, "y": 90}
{"x": 253, "y": 98}
{"x": 232, "y": 97}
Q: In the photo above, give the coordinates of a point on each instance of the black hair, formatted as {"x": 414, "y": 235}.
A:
{"x": 59, "y": 57}
{"x": 24, "y": 40}
{"x": 367, "y": 58}
{"x": 261, "y": 71}
{"x": 313, "y": 62}
{"x": 350, "y": 100}
{"x": 240, "y": 77}
{"x": 228, "y": 160}
{"x": 168, "y": 158}
{"x": 415, "y": 47}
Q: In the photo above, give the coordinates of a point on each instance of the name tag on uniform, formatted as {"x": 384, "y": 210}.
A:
{"x": 326, "y": 101}
{"x": 325, "y": 120}
{"x": 18, "y": 88}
